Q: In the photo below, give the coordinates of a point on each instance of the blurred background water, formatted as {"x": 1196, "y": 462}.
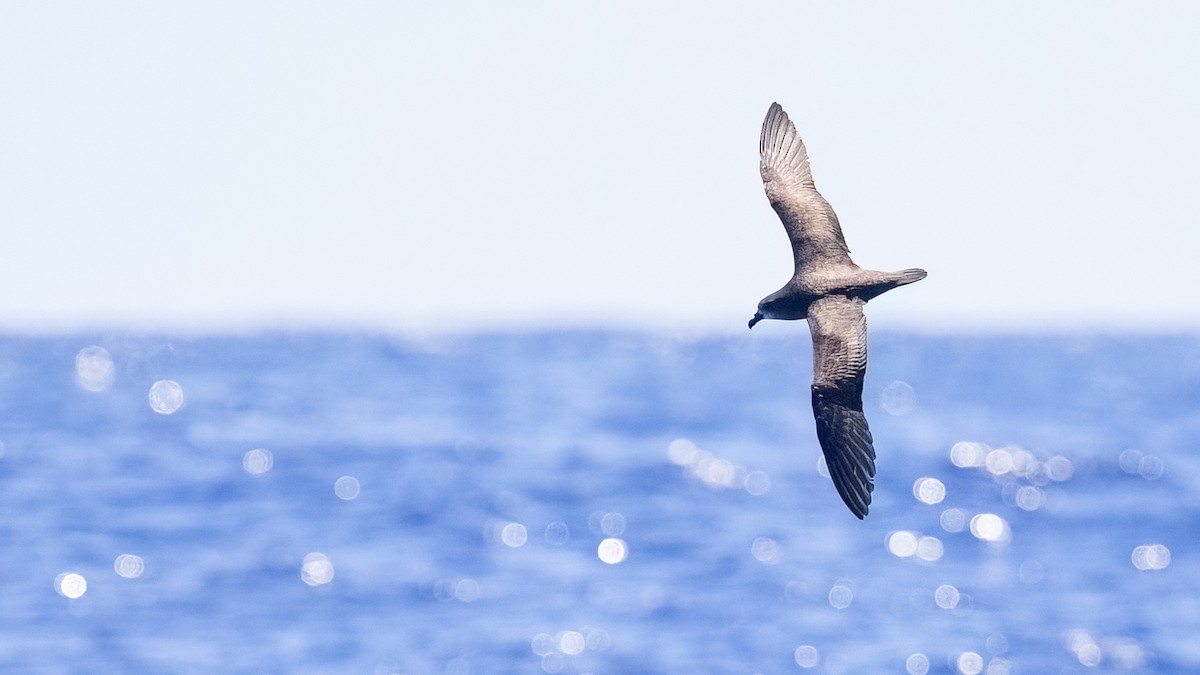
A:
{"x": 593, "y": 502}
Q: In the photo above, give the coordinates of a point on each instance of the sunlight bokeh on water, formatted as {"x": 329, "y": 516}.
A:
{"x": 166, "y": 397}
{"x": 94, "y": 369}
{"x": 571, "y": 503}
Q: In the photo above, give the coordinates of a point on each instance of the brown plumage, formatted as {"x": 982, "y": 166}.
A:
{"x": 829, "y": 290}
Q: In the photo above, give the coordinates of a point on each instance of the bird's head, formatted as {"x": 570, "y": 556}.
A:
{"x": 782, "y": 304}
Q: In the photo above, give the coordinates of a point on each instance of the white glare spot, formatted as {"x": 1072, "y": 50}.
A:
{"x": 346, "y": 488}
{"x": 1024, "y": 464}
{"x": 166, "y": 397}
{"x": 681, "y": 451}
{"x": 966, "y": 454}
{"x": 953, "y": 520}
{"x": 1126, "y": 653}
{"x": 257, "y": 461}
{"x": 794, "y": 591}
{"x": 1129, "y": 460}
{"x": 94, "y": 370}
{"x": 841, "y": 595}
{"x": 70, "y": 585}
{"x": 765, "y": 550}
{"x": 990, "y": 527}
{"x": 716, "y": 472}
{"x": 970, "y": 663}
{"x": 807, "y": 656}
{"x": 998, "y": 462}
{"x": 998, "y": 666}
{"x": 316, "y": 569}
{"x": 1080, "y": 643}
{"x": 557, "y": 533}
{"x": 930, "y": 549}
{"x": 1039, "y": 475}
{"x": 917, "y": 664}
{"x": 946, "y": 596}
{"x": 1150, "y": 467}
{"x": 1030, "y": 498}
{"x": 1151, "y": 557}
{"x": 571, "y": 642}
{"x": 902, "y": 544}
{"x": 129, "y": 566}
{"x": 1059, "y": 468}
{"x": 466, "y": 590}
{"x": 612, "y": 551}
{"x": 757, "y": 483}
{"x": 612, "y": 524}
{"x": 514, "y": 535}
{"x": 1090, "y": 655}
{"x": 1030, "y": 572}
{"x": 929, "y": 490}
{"x": 898, "y": 398}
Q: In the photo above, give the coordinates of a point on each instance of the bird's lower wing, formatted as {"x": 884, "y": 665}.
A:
{"x": 839, "y": 333}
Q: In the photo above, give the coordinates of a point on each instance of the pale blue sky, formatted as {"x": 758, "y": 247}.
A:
{"x": 455, "y": 166}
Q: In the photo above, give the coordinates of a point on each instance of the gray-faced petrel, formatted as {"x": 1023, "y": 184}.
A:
{"x": 829, "y": 290}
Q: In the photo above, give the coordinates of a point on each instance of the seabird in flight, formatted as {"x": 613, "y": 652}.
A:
{"x": 829, "y": 290}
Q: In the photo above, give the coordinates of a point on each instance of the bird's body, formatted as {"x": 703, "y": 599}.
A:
{"x": 829, "y": 290}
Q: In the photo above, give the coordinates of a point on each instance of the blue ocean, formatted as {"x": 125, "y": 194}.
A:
{"x": 594, "y": 502}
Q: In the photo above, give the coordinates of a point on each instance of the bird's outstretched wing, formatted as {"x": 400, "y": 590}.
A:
{"x": 811, "y": 224}
{"x": 839, "y": 333}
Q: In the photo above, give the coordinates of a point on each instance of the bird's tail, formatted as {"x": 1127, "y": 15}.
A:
{"x": 910, "y": 275}
{"x": 878, "y": 283}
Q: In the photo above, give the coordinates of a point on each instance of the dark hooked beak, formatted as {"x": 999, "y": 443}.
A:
{"x": 757, "y": 317}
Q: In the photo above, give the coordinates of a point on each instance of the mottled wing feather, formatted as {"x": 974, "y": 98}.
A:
{"x": 811, "y": 224}
{"x": 839, "y": 333}
{"x": 784, "y": 159}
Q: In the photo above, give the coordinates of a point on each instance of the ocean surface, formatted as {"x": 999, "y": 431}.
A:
{"x": 590, "y": 502}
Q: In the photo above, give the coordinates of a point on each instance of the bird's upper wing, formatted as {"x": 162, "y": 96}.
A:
{"x": 811, "y": 224}
{"x": 839, "y": 333}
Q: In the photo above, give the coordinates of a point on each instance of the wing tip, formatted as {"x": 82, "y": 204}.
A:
{"x": 768, "y": 140}
{"x": 860, "y": 502}
{"x": 846, "y": 442}
{"x": 781, "y": 150}
{"x": 861, "y": 513}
